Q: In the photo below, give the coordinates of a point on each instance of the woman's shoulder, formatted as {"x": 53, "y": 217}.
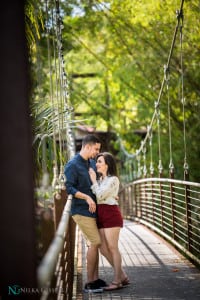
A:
{"x": 113, "y": 179}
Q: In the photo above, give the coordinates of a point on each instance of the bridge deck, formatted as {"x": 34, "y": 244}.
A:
{"x": 155, "y": 269}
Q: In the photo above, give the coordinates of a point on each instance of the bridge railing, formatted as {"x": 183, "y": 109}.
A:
{"x": 56, "y": 270}
{"x": 169, "y": 207}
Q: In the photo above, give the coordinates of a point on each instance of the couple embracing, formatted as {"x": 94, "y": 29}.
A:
{"x": 95, "y": 210}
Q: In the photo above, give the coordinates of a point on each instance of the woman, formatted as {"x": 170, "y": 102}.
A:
{"x": 109, "y": 219}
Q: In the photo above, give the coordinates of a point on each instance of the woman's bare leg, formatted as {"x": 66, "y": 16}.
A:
{"x": 109, "y": 249}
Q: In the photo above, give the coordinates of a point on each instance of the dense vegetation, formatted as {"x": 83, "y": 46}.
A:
{"x": 114, "y": 53}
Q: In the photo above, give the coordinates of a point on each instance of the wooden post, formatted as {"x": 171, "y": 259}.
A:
{"x": 59, "y": 204}
{"x": 17, "y": 225}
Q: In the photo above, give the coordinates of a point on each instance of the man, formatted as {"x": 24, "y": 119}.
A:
{"x": 83, "y": 209}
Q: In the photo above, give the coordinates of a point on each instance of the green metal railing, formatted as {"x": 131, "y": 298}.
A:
{"x": 169, "y": 207}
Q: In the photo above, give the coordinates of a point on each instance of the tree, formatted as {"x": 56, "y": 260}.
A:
{"x": 115, "y": 54}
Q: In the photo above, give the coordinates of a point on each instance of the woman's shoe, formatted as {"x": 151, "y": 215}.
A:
{"x": 113, "y": 286}
{"x": 125, "y": 281}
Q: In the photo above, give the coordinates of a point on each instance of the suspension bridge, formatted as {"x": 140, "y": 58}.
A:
{"x": 160, "y": 241}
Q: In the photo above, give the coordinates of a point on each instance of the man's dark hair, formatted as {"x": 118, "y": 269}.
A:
{"x": 90, "y": 139}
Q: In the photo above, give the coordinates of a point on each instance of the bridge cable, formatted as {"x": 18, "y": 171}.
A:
{"x": 156, "y": 114}
{"x": 185, "y": 166}
{"x": 64, "y": 109}
{"x": 167, "y": 78}
{"x": 60, "y": 87}
{"x": 167, "y": 66}
{"x": 160, "y": 167}
{"x": 151, "y": 150}
{"x": 59, "y": 98}
{"x": 49, "y": 32}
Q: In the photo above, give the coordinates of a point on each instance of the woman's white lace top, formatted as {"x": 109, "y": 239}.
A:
{"x": 106, "y": 190}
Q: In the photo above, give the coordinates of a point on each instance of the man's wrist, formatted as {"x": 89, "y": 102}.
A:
{"x": 86, "y": 197}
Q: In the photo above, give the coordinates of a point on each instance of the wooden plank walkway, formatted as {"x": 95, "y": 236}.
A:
{"x": 155, "y": 269}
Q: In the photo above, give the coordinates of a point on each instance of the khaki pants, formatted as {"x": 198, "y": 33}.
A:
{"x": 89, "y": 229}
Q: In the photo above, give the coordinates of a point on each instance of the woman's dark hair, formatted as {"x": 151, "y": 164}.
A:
{"x": 110, "y": 162}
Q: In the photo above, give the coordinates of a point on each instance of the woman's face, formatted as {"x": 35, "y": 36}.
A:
{"x": 102, "y": 167}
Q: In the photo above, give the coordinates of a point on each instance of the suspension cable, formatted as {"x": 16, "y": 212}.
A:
{"x": 60, "y": 94}
{"x": 179, "y": 13}
{"x": 160, "y": 167}
{"x": 150, "y": 134}
{"x": 49, "y": 22}
{"x": 185, "y": 166}
{"x": 58, "y": 76}
{"x": 167, "y": 78}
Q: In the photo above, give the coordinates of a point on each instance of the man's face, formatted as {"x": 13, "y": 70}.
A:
{"x": 94, "y": 149}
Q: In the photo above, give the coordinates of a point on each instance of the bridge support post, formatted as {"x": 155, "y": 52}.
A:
{"x": 188, "y": 213}
{"x": 59, "y": 204}
{"x": 17, "y": 209}
{"x": 172, "y": 196}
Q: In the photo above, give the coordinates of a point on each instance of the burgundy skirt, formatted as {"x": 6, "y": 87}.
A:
{"x": 109, "y": 216}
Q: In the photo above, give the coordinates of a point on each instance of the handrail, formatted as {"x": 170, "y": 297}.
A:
{"x": 168, "y": 206}
{"x": 48, "y": 264}
{"x": 166, "y": 180}
{"x": 58, "y": 254}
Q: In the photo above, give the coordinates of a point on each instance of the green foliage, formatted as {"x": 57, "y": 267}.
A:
{"x": 115, "y": 52}
{"x": 126, "y": 48}
{"x": 34, "y": 22}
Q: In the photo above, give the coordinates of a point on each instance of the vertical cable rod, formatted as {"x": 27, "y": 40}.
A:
{"x": 179, "y": 14}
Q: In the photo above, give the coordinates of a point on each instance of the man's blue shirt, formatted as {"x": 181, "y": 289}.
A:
{"x": 78, "y": 180}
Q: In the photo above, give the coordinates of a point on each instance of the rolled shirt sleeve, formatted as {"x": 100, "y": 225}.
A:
{"x": 71, "y": 175}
